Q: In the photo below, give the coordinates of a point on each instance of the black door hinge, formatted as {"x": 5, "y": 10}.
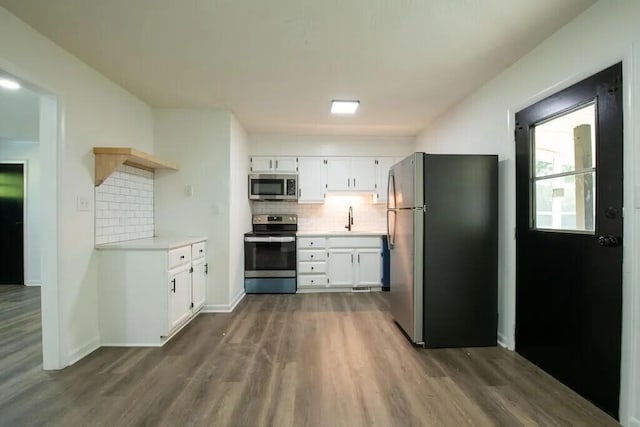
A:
{"x": 191, "y": 305}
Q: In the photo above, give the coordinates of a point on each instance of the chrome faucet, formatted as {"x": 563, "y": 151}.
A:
{"x": 349, "y": 219}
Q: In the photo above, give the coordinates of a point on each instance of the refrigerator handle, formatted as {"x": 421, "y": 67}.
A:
{"x": 391, "y": 183}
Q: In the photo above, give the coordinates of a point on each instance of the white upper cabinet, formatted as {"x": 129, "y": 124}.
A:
{"x": 382, "y": 175}
{"x": 311, "y": 185}
{"x": 273, "y": 164}
{"x": 363, "y": 173}
{"x": 338, "y": 174}
{"x": 351, "y": 174}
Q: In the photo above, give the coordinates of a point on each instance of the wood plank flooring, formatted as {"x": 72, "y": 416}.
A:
{"x": 278, "y": 360}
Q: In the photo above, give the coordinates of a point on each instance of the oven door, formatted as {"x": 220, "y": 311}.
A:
{"x": 270, "y": 256}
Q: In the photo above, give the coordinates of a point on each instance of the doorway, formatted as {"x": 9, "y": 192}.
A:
{"x": 569, "y": 186}
{"x": 12, "y": 185}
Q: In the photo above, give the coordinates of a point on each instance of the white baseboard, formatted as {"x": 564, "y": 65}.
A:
{"x": 634, "y": 422}
{"x": 129, "y": 344}
{"x": 224, "y": 308}
{"x": 84, "y": 350}
{"x": 503, "y": 341}
{"x": 32, "y": 284}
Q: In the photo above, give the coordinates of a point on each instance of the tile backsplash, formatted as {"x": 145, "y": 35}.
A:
{"x": 331, "y": 215}
{"x": 124, "y": 206}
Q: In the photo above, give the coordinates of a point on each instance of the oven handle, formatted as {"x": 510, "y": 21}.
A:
{"x": 270, "y": 239}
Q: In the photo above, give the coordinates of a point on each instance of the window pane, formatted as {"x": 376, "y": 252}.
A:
{"x": 566, "y": 203}
{"x": 565, "y": 143}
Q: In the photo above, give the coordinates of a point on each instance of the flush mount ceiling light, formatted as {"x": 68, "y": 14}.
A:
{"x": 9, "y": 84}
{"x": 344, "y": 107}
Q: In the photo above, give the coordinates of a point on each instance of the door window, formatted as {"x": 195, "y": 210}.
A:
{"x": 564, "y": 171}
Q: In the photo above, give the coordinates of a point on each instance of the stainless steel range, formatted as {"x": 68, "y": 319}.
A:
{"x": 270, "y": 255}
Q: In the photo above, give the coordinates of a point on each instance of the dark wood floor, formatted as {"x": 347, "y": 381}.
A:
{"x": 278, "y": 360}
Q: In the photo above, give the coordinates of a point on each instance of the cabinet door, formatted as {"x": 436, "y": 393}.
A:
{"x": 338, "y": 175}
{"x": 198, "y": 284}
{"x": 262, "y": 164}
{"x": 285, "y": 164}
{"x": 363, "y": 174}
{"x": 368, "y": 267}
{"x": 382, "y": 175}
{"x": 311, "y": 180}
{"x": 179, "y": 296}
{"x": 340, "y": 266}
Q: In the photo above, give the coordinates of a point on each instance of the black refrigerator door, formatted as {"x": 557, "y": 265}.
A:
{"x": 461, "y": 249}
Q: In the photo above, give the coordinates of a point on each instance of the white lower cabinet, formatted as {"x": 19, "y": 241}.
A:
{"x": 179, "y": 295}
{"x": 147, "y": 294}
{"x": 312, "y": 263}
{"x": 337, "y": 263}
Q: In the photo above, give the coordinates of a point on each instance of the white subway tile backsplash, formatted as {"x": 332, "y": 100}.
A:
{"x": 124, "y": 206}
{"x": 331, "y": 215}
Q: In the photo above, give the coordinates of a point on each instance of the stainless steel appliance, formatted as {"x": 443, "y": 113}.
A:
{"x": 270, "y": 254}
{"x": 442, "y": 215}
{"x": 283, "y": 187}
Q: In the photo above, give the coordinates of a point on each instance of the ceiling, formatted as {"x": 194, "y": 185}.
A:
{"x": 277, "y": 64}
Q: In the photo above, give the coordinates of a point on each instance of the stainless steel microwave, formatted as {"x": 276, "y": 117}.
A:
{"x": 267, "y": 186}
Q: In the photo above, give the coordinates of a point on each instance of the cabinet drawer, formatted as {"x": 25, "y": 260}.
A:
{"x": 354, "y": 242}
{"x": 312, "y": 267}
{"x": 312, "y": 280}
{"x": 312, "y": 242}
{"x": 179, "y": 256}
{"x": 307, "y": 255}
{"x": 198, "y": 250}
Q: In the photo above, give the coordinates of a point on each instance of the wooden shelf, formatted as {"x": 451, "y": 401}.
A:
{"x": 108, "y": 159}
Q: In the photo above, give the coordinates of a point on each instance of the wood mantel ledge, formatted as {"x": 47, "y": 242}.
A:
{"x": 108, "y": 159}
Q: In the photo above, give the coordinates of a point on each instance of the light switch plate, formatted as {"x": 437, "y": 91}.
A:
{"x": 82, "y": 204}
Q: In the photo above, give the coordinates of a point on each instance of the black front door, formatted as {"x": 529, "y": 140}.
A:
{"x": 11, "y": 220}
{"x": 569, "y": 236}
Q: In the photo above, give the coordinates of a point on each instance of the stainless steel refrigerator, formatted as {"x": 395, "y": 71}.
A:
{"x": 442, "y": 226}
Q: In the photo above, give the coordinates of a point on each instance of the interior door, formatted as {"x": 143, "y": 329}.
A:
{"x": 11, "y": 224}
{"x": 569, "y": 236}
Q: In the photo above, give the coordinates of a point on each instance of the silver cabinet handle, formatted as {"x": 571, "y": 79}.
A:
{"x": 351, "y": 258}
{"x": 354, "y": 183}
{"x": 348, "y": 182}
{"x": 276, "y": 164}
{"x": 270, "y": 164}
{"x": 299, "y": 192}
{"x": 358, "y": 258}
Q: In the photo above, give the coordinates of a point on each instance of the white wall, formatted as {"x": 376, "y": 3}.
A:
{"x": 301, "y": 145}
{"x": 93, "y": 111}
{"x": 606, "y": 33}
{"x": 239, "y": 208}
{"x": 29, "y": 152}
{"x": 20, "y": 114}
{"x": 198, "y": 141}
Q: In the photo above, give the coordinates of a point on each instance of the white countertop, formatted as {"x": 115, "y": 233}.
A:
{"x": 340, "y": 233}
{"x": 154, "y": 243}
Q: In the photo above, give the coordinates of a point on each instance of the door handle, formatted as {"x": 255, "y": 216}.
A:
{"x": 173, "y": 287}
{"x": 206, "y": 268}
{"x": 609, "y": 241}
{"x": 351, "y": 258}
